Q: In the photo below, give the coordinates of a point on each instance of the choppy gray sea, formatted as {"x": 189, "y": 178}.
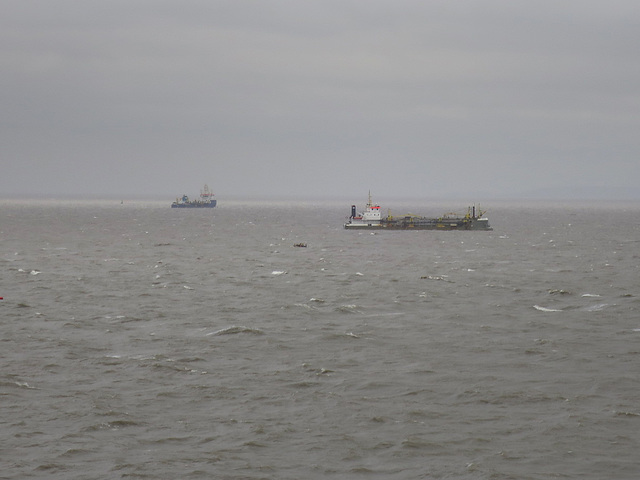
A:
{"x": 137, "y": 341}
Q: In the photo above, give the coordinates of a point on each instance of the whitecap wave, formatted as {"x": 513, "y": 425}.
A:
{"x": 545, "y": 309}
{"x": 303, "y": 305}
{"x": 235, "y": 329}
{"x": 348, "y": 309}
{"x": 436, "y": 277}
{"x": 558, "y": 292}
{"x": 597, "y": 308}
{"x": 25, "y": 385}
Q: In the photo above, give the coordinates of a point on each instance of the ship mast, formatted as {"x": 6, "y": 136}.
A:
{"x": 205, "y": 193}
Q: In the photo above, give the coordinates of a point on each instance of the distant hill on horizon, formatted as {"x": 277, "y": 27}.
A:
{"x": 584, "y": 193}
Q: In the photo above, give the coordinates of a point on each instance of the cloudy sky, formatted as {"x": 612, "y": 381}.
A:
{"x": 285, "y": 98}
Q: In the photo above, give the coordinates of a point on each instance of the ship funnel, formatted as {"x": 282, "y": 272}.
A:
{"x": 474, "y": 211}
{"x": 353, "y": 211}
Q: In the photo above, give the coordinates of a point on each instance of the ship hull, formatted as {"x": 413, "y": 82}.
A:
{"x": 211, "y": 204}
{"x": 426, "y": 224}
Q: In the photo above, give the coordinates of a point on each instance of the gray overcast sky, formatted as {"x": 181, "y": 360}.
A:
{"x": 319, "y": 98}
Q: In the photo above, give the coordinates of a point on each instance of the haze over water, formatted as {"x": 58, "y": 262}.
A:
{"x": 143, "y": 342}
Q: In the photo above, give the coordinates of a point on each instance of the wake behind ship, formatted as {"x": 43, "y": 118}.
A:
{"x": 206, "y": 200}
{"x": 372, "y": 219}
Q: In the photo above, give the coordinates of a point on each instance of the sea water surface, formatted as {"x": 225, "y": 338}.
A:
{"x": 137, "y": 341}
